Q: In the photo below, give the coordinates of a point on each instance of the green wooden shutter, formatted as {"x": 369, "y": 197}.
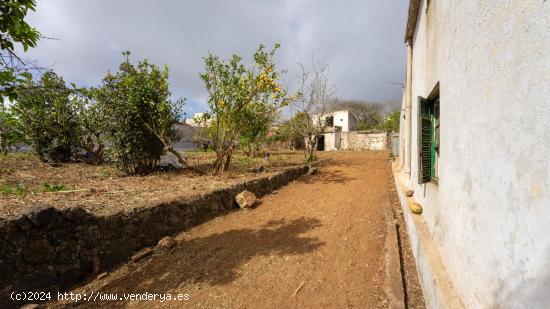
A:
{"x": 424, "y": 140}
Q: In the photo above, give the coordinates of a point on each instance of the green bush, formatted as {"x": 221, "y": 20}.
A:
{"x": 49, "y": 117}
{"x": 11, "y": 130}
{"x": 391, "y": 122}
{"x": 130, "y": 102}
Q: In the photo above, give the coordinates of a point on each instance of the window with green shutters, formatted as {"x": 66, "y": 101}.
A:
{"x": 428, "y": 138}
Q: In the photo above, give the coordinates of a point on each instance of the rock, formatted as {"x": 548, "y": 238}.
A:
{"x": 245, "y": 199}
{"x": 312, "y": 171}
{"x": 102, "y": 275}
{"x": 166, "y": 242}
{"x": 42, "y": 215}
{"x": 37, "y": 252}
{"x": 261, "y": 169}
{"x": 409, "y": 193}
{"x": 415, "y": 208}
{"x": 77, "y": 214}
{"x": 30, "y": 306}
{"x": 142, "y": 253}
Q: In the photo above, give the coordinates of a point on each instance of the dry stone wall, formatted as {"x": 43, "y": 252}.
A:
{"x": 364, "y": 141}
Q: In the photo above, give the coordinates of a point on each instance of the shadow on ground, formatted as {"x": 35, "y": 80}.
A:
{"x": 214, "y": 260}
{"x": 327, "y": 177}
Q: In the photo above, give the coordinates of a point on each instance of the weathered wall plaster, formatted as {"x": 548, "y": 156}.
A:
{"x": 490, "y": 213}
{"x": 355, "y": 141}
{"x": 364, "y": 141}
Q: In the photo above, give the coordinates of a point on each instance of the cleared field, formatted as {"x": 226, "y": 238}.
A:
{"x": 25, "y": 181}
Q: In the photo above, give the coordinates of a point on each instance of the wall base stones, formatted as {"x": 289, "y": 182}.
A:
{"x": 48, "y": 249}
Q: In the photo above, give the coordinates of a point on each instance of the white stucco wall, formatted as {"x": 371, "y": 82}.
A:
{"x": 342, "y": 119}
{"x": 490, "y": 213}
{"x": 332, "y": 141}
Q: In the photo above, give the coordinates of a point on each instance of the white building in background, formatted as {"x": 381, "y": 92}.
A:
{"x": 198, "y": 120}
{"x": 341, "y": 133}
{"x": 343, "y": 121}
{"x": 475, "y": 149}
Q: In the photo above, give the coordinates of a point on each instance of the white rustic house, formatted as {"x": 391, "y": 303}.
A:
{"x": 341, "y": 133}
{"x": 475, "y": 149}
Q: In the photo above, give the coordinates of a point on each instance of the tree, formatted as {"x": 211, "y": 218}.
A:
{"x": 49, "y": 117}
{"x": 391, "y": 122}
{"x": 138, "y": 116}
{"x": 312, "y": 105}
{"x": 14, "y": 29}
{"x": 92, "y": 127}
{"x": 237, "y": 95}
{"x": 11, "y": 130}
{"x": 287, "y": 133}
{"x": 255, "y": 130}
{"x": 161, "y": 122}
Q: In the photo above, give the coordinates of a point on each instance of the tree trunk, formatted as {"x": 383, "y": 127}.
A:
{"x": 227, "y": 162}
{"x": 183, "y": 162}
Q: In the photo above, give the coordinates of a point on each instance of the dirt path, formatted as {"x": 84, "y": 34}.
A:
{"x": 316, "y": 243}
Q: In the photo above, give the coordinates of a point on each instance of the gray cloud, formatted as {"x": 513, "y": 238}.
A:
{"x": 361, "y": 40}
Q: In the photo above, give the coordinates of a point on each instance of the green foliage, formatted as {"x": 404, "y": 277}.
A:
{"x": 391, "y": 122}
{"x": 92, "y": 127}
{"x": 17, "y": 189}
{"x": 254, "y": 131}
{"x": 238, "y": 95}
{"x": 49, "y": 117}
{"x": 13, "y": 30}
{"x": 55, "y": 187}
{"x": 137, "y": 115}
{"x": 11, "y": 130}
{"x": 290, "y": 130}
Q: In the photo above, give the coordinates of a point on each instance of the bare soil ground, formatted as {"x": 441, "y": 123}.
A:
{"x": 25, "y": 181}
{"x": 316, "y": 243}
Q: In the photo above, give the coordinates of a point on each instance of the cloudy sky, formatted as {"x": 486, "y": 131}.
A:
{"x": 361, "y": 40}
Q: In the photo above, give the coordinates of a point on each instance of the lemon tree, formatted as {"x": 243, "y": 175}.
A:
{"x": 238, "y": 95}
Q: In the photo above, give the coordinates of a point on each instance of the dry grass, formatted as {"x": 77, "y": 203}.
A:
{"x": 25, "y": 181}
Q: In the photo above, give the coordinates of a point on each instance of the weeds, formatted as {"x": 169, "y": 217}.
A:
{"x": 17, "y": 189}
{"x": 48, "y": 187}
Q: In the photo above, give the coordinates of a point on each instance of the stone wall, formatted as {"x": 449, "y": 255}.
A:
{"x": 363, "y": 141}
{"x": 47, "y": 249}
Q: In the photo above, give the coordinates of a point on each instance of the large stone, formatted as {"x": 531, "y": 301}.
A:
{"x": 37, "y": 252}
{"x": 409, "y": 193}
{"x": 42, "y": 215}
{"x": 415, "y": 208}
{"x": 245, "y": 199}
{"x": 166, "y": 242}
{"x": 77, "y": 214}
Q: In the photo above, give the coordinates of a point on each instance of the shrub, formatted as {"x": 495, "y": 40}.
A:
{"x": 49, "y": 117}
{"x": 92, "y": 126}
{"x": 11, "y": 130}
{"x": 391, "y": 122}
{"x": 137, "y": 115}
